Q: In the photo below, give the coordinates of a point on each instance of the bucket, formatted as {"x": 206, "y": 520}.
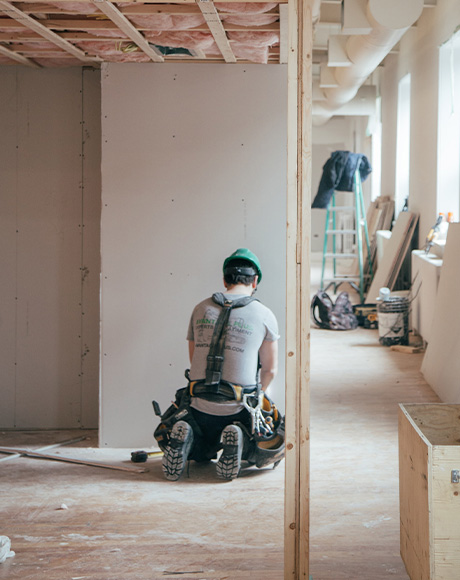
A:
{"x": 394, "y": 321}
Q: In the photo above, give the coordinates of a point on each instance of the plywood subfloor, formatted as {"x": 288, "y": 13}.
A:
{"x": 356, "y": 387}
{"x": 123, "y": 526}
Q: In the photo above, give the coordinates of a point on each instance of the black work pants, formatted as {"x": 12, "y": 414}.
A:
{"x": 207, "y": 444}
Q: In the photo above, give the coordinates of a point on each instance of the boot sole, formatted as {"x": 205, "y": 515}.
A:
{"x": 229, "y": 464}
{"x": 175, "y": 455}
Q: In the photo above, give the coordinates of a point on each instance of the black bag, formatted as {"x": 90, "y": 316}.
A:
{"x": 338, "y": 316}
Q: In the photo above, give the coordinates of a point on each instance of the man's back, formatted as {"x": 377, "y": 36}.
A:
{"x": 222, "y": 405}
{"x": 248, "y": 327}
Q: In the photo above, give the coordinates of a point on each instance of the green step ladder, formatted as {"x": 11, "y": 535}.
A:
{"x": 358, "y": 280}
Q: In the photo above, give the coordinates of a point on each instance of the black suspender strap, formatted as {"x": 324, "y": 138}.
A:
{"x": 215, "y": 359}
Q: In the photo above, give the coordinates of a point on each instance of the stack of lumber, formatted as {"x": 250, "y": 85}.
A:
{"x": 395, "y": 253}
{"x": 379, "y": 217}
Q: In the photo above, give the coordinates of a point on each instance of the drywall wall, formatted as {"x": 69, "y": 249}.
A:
{"x": 441, "y": 363}
{"x": 417, "y": 55}
{"x": 49, "y": 228}
{"x": 425, "y": 270}
{"x": 193, "y": 167}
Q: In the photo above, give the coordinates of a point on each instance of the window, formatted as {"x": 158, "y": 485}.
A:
{"x": 402, "y": 144}
{"x": 448, "y": 181}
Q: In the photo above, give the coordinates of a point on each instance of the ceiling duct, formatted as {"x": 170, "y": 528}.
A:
{"x": 388, "y": 20}
{"x": 363, "y": 104}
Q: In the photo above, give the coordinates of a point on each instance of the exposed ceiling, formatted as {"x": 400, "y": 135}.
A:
{"x": 67, "y": 33}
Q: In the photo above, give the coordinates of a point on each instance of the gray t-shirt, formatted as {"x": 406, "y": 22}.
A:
{"x": 248, "y": 327}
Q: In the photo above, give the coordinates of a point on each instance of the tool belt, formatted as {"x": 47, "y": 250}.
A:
{"x": 266, "y": 434}
{"x": 222, "y": 391}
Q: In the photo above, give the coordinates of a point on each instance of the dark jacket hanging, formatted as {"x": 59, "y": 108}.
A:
{"x": 338, "y": 175}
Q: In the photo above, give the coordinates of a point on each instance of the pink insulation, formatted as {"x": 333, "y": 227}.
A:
{"x": 252, "y": 46}
{"x": 256, "y": 39}
{"x": 101, "y": 48}
{"x": 107, "y": 33}
{"x": 250, "y": 19}
{"x": 79, "y": 7}
{"x": 257, "y": 55}
{"x": 111, "y": 51}
{"x": 191, "y": 39}
{"x": 245, "y": 7}
{"x": 39, "y": 44}
{"x": 167, "y": 21}
{"x": 16, "y": 27}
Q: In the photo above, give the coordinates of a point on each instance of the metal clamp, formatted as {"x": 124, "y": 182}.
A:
{"x": 455, "y": 476}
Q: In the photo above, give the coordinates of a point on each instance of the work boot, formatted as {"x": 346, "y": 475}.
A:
{"x": 176, "y": 454}
{"x": 229, "y": 463}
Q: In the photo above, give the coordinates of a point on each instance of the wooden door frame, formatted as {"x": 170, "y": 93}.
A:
{"x": 299, "y": 146}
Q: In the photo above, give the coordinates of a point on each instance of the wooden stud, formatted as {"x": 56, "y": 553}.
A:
{"x": 18, "y": 57}
{"x": 214, "y": 23}
{"x": 128, "y": 28}
{"x": 10, "y": 10}
{"x": 30, "y": 453}
{"x": 298, "y": 290}
{"x": 68, "y": 442}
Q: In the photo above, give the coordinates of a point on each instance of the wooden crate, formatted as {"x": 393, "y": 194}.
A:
{"x": 429, "y": 451}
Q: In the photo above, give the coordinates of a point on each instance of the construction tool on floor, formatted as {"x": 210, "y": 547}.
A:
{"x": 407, "y": 349}
{"x": 142, "y": 456}
{"x": 62, "y": 443}
{"x": 30, "y": 453}
{"x": 366, "y": 315}
{"x": 357, "y": 227}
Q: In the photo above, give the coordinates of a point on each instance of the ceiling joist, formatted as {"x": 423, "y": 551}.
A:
{"x": 17, "y": 57}
{"x": 214, "y": 23}
{"x": 10, "y": 10}
{"x": 80, "y": 24}
{"x": 128, "y": 28}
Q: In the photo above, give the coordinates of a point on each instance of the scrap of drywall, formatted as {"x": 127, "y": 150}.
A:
{"x": 394, "y": 254}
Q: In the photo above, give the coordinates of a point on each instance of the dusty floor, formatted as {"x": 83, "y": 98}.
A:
{"x": 131, "y": 526}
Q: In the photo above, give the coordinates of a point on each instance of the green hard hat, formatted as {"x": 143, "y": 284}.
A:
{"x": 245, "y": 254}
